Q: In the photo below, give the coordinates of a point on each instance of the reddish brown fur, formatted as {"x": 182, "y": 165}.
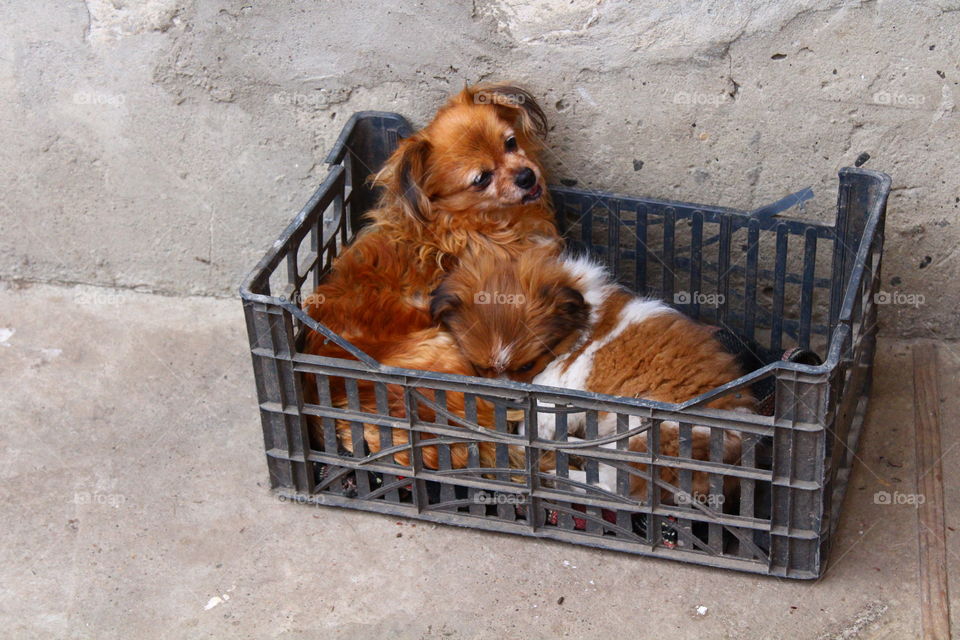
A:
{"x": 428, "y": 349}
{"x": 533, "y": 304}
{"x": 429, "y": 218}
{"x": 608, "y": 318}
{"x": 668, "y": 358}
{"x": 430, "y": 203}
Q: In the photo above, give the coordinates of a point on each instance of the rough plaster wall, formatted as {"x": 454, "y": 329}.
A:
{"x": 163, "y": 144}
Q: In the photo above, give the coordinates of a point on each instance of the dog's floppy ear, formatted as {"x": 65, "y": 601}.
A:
{"x": 513, "y": 103}
{"x": 405, "y": 174}
{"x": 443, "y": 304}
{"x": 572, "y": 311}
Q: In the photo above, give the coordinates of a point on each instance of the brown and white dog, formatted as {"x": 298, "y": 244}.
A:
{"x": 469, "y": 183}
{"x": 562, "y": 322}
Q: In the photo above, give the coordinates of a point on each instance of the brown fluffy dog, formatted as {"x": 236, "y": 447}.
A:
{"x": 562, "y": 322}
{"x": 470, "y": 183}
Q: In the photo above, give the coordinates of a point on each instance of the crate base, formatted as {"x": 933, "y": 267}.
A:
{"x": 476, "y": 522}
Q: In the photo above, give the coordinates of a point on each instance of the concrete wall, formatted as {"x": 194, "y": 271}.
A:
{"x": 163, "y": 144}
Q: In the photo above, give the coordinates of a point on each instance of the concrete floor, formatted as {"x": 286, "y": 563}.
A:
{"x": 134, "y": 505}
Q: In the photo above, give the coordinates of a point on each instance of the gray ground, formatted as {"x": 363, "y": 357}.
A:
{"x": 134, "y": 505}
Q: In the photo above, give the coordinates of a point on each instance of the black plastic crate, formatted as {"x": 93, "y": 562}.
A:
{"x": 781, "y": 281}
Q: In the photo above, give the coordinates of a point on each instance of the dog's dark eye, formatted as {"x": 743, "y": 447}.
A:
{"x": 483, "y": 179}
{"x": 510, "y": 144}
{"x": 527, "y": 367}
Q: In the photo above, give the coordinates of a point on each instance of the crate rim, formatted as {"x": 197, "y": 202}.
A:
{"x": 338, "y": 151}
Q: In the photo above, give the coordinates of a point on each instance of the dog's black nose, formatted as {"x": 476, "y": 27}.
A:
{"x": 526, "y": 178}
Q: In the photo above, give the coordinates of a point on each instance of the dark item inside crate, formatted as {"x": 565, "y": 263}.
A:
{"x": 776, "y": 281}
